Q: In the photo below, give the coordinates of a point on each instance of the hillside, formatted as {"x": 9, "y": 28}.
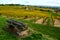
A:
{"x": 44, "y": 22}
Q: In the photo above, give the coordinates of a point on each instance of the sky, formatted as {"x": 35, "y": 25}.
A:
{"x": 32, "y": 2}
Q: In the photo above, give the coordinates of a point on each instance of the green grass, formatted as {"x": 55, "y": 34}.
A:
{"x": 51, "y": 31}
{"x": 33, "y": 37}
{"x": 45, "y": 29}
{"x": 15, "y": 11}
{"x": 5, "y": 35}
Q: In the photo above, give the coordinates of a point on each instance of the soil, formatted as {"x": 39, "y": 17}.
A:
{"x": 39, "y": 21}
{"x": 57, "y": 23}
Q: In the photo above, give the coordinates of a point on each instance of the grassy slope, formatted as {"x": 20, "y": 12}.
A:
{"x": 4, "y": 35}
{"x": 45, "y": 29}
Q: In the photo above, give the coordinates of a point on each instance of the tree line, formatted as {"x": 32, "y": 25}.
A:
{"x": 11, "y": 5}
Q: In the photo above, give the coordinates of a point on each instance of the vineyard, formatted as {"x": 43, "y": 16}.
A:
{"x": 44, "y": 22}
{"x": 19, "y": 12}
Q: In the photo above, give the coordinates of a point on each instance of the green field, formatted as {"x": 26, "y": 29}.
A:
{"x": 39, "y": 31}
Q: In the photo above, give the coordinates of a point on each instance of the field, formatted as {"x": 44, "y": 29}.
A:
{"x": 40, "y": 31}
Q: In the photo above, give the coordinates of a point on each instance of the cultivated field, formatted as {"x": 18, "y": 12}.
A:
{"x": 45, "y": 25}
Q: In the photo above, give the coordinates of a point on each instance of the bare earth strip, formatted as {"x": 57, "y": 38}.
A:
{"x": 56, "y": 22}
